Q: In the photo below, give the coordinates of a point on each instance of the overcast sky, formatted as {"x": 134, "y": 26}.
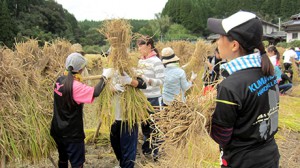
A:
{"x": 106, "y": 9}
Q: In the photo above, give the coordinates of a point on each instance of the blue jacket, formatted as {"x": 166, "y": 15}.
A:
{"x": 175, "y": 82}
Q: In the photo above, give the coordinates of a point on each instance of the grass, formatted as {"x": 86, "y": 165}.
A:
{"x": 289, "y": 113}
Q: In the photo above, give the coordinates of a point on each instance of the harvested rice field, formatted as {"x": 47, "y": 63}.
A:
{"x": 27, "y": 76}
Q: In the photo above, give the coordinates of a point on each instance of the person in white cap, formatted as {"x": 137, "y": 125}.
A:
{"x": 70, "y": 94}
{"x": 175, "y": 81}
{"x": 245, "y": 118}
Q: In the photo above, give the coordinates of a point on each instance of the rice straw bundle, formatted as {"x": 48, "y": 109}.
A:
{"x": 26, "y": 88}
{"x": 26, "y": 111}
{"x": 183, "y": 49}
{"x": 179, "y": 121}
{"x": 133, "y": 102}
{"x": 199, "y": 56}
{"x": 183, "y": 131}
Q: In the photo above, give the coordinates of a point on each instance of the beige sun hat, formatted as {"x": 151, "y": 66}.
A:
{"x": 168, "y": 55}
{"x": 77, "y": 48}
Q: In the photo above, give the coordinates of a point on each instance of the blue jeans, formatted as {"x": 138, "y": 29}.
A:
{"x": 285, "y": 87}
{"x": 124, "y": 143}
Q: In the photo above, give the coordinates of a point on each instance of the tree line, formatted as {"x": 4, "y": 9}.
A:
{"x": 46, "y": 20}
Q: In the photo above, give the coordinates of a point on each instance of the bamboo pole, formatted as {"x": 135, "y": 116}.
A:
{"x": 97, "y": 131}
{"x": 92, "y": 77}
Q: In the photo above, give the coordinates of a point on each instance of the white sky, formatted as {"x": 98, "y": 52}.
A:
{"x": 98, "y": 10}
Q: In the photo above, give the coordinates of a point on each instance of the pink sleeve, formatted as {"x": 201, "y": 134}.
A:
{"x": 82, "y": 93}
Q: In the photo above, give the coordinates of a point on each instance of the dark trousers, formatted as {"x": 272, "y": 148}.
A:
{"x": 124, "y": 143}
{"x": 287, "y": 66}
{"x": 147, "y": 129}
{"x": 285, "y": 87}
{"x": 73, "y": 152}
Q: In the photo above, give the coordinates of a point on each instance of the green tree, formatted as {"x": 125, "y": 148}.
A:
{"x": 160, "y": 25}
{"x": 179, "y": 32}
{"x": 7, "y": 27}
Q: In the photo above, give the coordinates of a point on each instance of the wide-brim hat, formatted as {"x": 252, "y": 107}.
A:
{"x": 168, "y": 55}
{"x": 244, "y": 27}
{"x": 77, "y": 48}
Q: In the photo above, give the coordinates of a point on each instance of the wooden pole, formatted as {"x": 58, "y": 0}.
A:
{"x": 92, "y": 77}
{"x": 97, "y": 131}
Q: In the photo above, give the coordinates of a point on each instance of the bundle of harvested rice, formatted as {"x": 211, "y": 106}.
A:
{"x": 183, "y": 129}
{"x": 133, "y": 102}
{"x": 26, "y": 88}
{"x": 179, "y": 121}
{"x": 202, "y": 50}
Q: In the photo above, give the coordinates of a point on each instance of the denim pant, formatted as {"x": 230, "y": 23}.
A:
{"x": 124, "y": 143}
{"x": 147, "y": 129}
{"x": 285, "y": 87}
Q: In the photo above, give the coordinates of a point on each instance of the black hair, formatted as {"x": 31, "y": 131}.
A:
{"x": 274, "y": 49}
{"x": 288, "y": 71}
{"x": 217, "y": 50}
{"x": 266, "y": 65}
{"x": 68, "y": 89}
{"x": 148, "y": 41}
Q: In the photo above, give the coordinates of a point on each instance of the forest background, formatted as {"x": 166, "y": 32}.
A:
{"x": 46, "y": 20}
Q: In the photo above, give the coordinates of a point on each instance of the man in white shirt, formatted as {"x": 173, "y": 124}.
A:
{"x": 288, "y": 55}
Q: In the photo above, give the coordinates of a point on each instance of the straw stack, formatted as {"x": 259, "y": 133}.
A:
{"x": 184, "y": 131}
{"x": 199, "y": 56}
{"x": 27, "y": 76}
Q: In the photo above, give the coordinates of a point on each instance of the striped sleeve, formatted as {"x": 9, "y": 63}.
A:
{"x": 159, "y": 74}
{"x": 221, "y": 135}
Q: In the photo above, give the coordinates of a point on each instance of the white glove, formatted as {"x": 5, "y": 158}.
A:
{"x": 108, "y": 72}
{"x": 185, "y": 65}
{"x": 119, "y": 88}
{"x": 146, "y": 79}
{"x": 125, "y": 79}
{"x": 138, "y": 72}
{"x": 194, "y": 76}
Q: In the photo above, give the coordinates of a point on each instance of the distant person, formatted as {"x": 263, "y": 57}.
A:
{"x": 297, "y": 50}
{"x": 245, "y": 118}
{"x": 175, "y": 82}
{"x": 212, "y": 71}
{"x": 70, "y": 94}
{"x": 77, "y": 48}
{"x": 286, "y": 81}
{"x": 274, "y": 56}
{"x": 288, "y": 57}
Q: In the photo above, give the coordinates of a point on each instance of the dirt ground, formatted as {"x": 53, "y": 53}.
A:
{"x": 102, "y": 156}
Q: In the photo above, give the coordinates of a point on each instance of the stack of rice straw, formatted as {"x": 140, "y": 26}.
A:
{"x": 183, "y": 132}
{"x": 134, "y": 104}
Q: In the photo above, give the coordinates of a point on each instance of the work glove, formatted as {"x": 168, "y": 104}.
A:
{"x": 146, "y": 79}
{"x": 119, "y": 88}
{"x": 194, "y": 76}
{"x": 125, "y": 79}
{"x": 185, "y": 65}
{"x": 108, "y": 72}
